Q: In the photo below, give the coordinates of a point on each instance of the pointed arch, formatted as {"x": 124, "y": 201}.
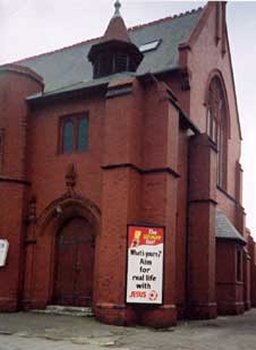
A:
{"x": 218, "y": 122}
{"x": 218, "y": 75}
{"x": 66, "y": 207}
{"x": 59, "y": 215}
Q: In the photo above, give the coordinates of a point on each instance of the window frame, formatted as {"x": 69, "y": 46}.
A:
{"x": 239, "y": 265}
{"x": 150, "y": 45}
{"x": 75, "y": 118}
{"x": 217, "y": 126}
{"x": 2, "y": 142}
{"x": 212, "y": 125}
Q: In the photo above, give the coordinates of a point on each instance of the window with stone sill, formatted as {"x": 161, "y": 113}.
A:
{"x": 74, "y": 134}
{"x": 216, "y": 127}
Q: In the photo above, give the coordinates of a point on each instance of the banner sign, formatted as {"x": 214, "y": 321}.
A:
{"x": 4, "y": 245}
{"x": 145, "y": 259}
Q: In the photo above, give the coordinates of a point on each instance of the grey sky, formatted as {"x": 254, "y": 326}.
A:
{"x": 30, "y": 27}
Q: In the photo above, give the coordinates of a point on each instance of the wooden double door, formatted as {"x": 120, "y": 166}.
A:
{"x": 74, "y": 264}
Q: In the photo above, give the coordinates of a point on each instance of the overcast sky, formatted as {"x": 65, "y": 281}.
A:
{"x": 30, "y": 27}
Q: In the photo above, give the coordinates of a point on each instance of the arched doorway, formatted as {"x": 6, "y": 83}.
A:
{"x": 74, "y": 263}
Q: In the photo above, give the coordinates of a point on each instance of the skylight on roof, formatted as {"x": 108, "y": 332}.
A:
{"x": 152, "y": 45}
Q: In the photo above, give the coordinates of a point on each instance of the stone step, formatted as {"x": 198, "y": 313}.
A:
{"x": 66, "y": 310}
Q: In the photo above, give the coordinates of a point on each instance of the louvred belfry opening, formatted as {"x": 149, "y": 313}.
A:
{"x": 115, "y": 53}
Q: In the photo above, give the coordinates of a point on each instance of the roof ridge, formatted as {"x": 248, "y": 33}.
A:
{"x": 182, "y": 14}
{"x": 165, "y": 19}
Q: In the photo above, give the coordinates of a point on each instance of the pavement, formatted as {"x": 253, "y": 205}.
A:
{"x": 27, "y": 331}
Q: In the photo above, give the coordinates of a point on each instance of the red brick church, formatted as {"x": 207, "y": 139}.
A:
{"x": 136, "y": 129}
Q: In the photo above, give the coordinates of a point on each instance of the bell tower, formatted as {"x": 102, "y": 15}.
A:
{"x": 114, "y": 53}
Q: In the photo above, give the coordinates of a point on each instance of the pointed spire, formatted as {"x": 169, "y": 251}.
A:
{"x": 116, "y": 29}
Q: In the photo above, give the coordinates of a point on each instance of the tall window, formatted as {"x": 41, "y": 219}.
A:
{"x": 216, "y": 120}
{"x": 1, "y": 149}
{"x": 239, "y": 265}
{"x": 74, "y": 134}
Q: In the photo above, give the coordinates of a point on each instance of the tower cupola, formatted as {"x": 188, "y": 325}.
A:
{"x": 114, "y": 53}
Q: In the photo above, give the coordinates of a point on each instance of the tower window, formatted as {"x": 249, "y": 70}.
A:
{"x": 74, "y": 134}
{"x": 111, "y": 63}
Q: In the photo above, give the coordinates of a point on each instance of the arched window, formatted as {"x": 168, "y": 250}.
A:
{"x": 1, "y": 149}
{"x": 68, "y": 136}
{"x": 216, "y": 126}
{"x": 82, "y": 134}
{"x": 74, "y": 134}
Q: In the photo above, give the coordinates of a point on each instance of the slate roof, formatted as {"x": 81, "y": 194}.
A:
{"x": 70, "y": 66}
{"x": 225, "y": 229}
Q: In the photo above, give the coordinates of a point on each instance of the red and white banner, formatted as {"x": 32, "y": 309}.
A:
{"x": 145, "y": 265}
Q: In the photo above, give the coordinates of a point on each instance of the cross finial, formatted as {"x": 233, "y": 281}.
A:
{"x": 117, "y": 8}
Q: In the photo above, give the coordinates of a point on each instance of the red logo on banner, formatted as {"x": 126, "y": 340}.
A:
{"x": 152, "y": 295}
{"x": 145, "y": 236}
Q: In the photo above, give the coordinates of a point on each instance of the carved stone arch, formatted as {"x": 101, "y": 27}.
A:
{"x": 216, "y": 74}
{"x": 65, "y": 208}
{"x": 55, "y": 219}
